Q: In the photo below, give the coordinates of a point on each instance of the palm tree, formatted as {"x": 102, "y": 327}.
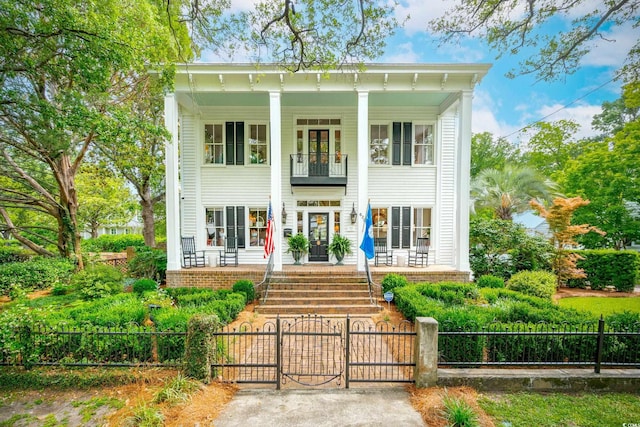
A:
{"x": 509, "y": 190}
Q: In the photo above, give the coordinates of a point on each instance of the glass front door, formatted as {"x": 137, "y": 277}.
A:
{"x": 318, "y": 152}
{"x": 318, "y": 236}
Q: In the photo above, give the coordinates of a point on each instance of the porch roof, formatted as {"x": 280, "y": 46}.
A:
{"x": 208, "y": 84}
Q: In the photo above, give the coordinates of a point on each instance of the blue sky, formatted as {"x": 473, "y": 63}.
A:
{"x": 502, "y": 106}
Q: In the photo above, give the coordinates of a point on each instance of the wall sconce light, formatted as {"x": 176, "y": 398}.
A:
{"x": 354, "y": 214}
{"x": 284, "y": 214}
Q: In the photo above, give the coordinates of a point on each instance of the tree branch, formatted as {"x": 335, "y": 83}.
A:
{"x": 14, "y": 232}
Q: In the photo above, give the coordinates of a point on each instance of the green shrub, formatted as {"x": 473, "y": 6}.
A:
{"x": 141, "y": 286}
{"x": 58, "y": 290}
{"x": 392, "y": 281}
{"x": 111, "y": 311}
{"x": 113, "y": 243}
{"x": 37, "y": 273}
{"x": 489, "y": 281}
{"x": 150, "y": 264}
{"x": 98, "y": 281}
{"x": 196, "y": 299}
{"x": 540, "y": 284}
{"x": 12, "y": 253}
{"x": 245, "y": 287}
{"x": 608, "y": 267}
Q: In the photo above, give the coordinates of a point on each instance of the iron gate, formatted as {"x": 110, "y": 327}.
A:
{"x": 314, "y": 351}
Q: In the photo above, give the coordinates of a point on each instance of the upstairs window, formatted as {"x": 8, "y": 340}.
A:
{"x": 379, "y": 145}
{"x": 257, "y": 144}
{"x": 213, "y": 144}
{"x": 423, "y": 145}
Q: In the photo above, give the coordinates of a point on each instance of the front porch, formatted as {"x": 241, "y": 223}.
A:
{"x": 225, "y": 277}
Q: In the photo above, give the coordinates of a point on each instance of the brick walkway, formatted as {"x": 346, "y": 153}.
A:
{"x": 314, "y": 352}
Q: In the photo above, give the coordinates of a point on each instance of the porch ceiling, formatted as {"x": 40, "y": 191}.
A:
{"x": 323, "y": 99}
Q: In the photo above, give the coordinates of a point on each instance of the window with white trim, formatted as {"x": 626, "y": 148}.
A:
{"x": 379, "y": 144}
{"x": 421, "y": 223}
{"x": 380, "y": 217}
{"x": 257, "y": 144}
{"x": 423, "y": 145}
{"x": 213, "y": 144}
{"x": 257, "y": 226}
{"x": 222, "y": 222}
{"x": 215, "y": 226}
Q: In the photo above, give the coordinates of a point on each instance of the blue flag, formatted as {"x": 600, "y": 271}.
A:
{"x": 367, "y": 239}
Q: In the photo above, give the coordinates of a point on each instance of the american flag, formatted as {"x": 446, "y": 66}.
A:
{"x": 268, "y": 241}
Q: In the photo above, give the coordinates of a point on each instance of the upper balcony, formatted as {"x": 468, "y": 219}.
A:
{"x": 318, "y": 169}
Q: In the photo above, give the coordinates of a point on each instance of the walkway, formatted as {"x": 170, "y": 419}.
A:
{"x": 381, "y": 407}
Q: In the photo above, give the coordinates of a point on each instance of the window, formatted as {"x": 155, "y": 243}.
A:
{"x": 421, "y": 223}
{"x": 258, "y": 144}
{"x": 337, "y": 145}
{"x": 257, "y": 226}
{"x": 336, "y": 222}
{"x": 213, "y": 144}
{"x": 299, "y": 222}
{"x": 379, "y": 145}
{"x": 423, "y": 145}
{"x": 215, "y": 226}
{"x": 380, "y": 223}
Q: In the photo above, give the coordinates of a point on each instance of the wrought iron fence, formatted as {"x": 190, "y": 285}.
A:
{"x": 539, "y": 344}
{"x": 136, "y": 346}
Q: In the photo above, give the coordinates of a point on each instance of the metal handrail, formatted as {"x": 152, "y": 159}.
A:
{"x": 370, "y": 282}
{"x": 266, "y": 279}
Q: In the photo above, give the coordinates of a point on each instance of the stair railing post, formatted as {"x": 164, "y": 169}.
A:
{"x": 600, "y": 345}
{"x": 347, "y": 353}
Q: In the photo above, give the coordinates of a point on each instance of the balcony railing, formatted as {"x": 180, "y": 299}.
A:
{"x": 319, "y": 169}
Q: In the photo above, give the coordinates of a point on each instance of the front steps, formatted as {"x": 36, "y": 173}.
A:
{"x": 328, "y": 293}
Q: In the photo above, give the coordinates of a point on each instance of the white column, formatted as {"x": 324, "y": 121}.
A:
{"x": 363, "y": 170}
{"x": 172, "y": 196}
{"x": 276, "y": 174}
{"x": 463, "y": 180}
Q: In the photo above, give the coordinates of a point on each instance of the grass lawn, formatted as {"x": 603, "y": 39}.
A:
{"x": 601, "y": 305}
{"x": 531, "y": 409}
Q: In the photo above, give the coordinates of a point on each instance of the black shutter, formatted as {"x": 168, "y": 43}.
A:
{"x": 240, "y": 228}
{"x": 239, "y": 144}
{"x": 397, "y": 143}
{"x": 230, "y": 142}
{"x": 406, "y": 144}
{"x": 395, "y": 227}
{"x": 231, "y": 221}
{"x": 406, "y": 227}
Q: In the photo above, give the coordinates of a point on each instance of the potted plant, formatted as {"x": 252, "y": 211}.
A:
{"x": 298, "y": 246}
{"x": 339, "y": 247}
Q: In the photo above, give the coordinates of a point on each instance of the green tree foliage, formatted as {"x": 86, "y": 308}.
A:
{"x": 551, "y": 146}
{"x": 510, "y": 27}
{"x": 103, "y": 199}
{"x": 502, "y": 248}
{"x": 300, "y": 34}
{"x": 65, "y": 65}
{"x": 608, "y": 174}
{"x": 490, "y": 153}
{"x": 509, "y": 190}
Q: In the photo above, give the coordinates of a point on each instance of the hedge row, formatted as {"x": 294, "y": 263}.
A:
{"x": 113, "y": 243}
{"x": 606, "y": 267}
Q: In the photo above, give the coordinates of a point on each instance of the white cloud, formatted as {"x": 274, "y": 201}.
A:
{"x": 484, "y": 116}
{"x": 402, "y": 53}
{"x": 243, "y": 5}
{"x": 612, "y": 50}
{"x": 581, "y": 114}
{"x": 420, "y": 12}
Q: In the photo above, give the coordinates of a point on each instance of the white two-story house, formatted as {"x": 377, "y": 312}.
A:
{"x": 320, "y": 146}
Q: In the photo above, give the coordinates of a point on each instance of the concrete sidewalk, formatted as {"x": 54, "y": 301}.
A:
{"x": 381, "y": 407}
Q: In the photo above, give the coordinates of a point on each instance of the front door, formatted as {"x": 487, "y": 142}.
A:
{"x": 318, "y": 152}
{"x": 318, "y": 236}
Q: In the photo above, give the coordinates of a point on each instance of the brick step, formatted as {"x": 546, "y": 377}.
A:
{"x": 317, "y": 293}
{"x": 318, "y": 309}
{"x": 318, "y": 278}
{"x": 301, "y": 300}
{"x": 319, "y": 286}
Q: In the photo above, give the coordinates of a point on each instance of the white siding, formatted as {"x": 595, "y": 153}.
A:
{"x": 188, "y": 173}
